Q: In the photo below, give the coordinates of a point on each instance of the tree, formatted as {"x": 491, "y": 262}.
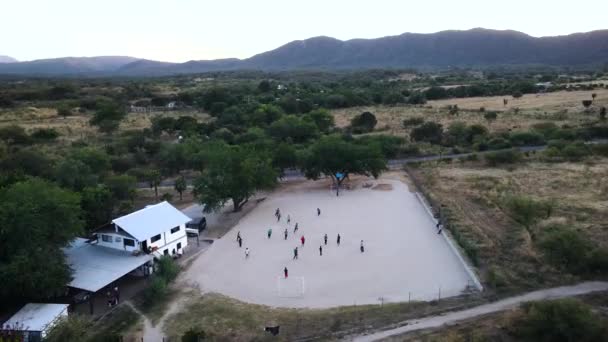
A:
{"x": 38, "y": 219}
{"x": 14, "y": 135}
{"x": 517, "y": 94}
{"x": 603, "y": 114}
{"x": 264, "y": 86}
{"x": 363, "y": 123}
{"x": 528, "y": 211}
{"x": 180, "y": 186}
{"x": 285, "y": 156}
{"x": 429, "y": 131}
{"x": 291, "y": 127}
{"x": 97, "y": 204}
{"x": 337, "y": 158}
{"x": 122, "y": 187}
{"x": 490, "y": 116}
{"x": 587, "y": 103}
{"x": 71, "y": 328}
{"x": 593, "y": 96}
{"x": 108, "y": 117}
{"x": 153, "y": 177}
{"x": 322, "y": 118}
{"x": 64, "y": 111}
{"x": 233, "y": 173}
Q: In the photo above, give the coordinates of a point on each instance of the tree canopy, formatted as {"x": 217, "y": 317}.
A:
{"x": 37, "y": 219}
{"x": 331, "y": 155}
{"x": 234, "y": 173}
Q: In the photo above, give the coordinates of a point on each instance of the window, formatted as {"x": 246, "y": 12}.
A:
{"x": 155, "y": 238}
{"x": 117, "y": 239}
{"x": 106, "y": 238}
{"x": 166, "y": 252}
{"x": 179, "y": 245}
{"x": 129, "y": 242}
{"x": 175, "y": 230}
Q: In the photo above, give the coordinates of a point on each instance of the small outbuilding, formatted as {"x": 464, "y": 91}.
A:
{"x": 36, "y": 319}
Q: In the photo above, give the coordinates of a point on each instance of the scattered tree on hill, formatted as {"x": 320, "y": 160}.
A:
{"x": 505, "y": 102}
{"x": 233, "y": 173}
{"x": 429, "y": 131}
{"x": 264, "y": 86}
{"x": 293, "y": 128}
{"x": 593, "y": 96}
{"x": 322, "y": 118}
{"x": 490, "y": 116}
{"x": 587, "y": 103}
{"x": 97, "y": 204}
{"x": 333, "y": 156}
{"x": 107, "y": 118}
{"x": 38, "y": 219}
{"x": 363, "y": 123}
{"x": 528, "y": 211}
{"x": 180, "y": 186}
{"x": 517, "y": 94}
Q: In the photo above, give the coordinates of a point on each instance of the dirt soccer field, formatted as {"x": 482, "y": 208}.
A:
{"x": 404, "y": 257}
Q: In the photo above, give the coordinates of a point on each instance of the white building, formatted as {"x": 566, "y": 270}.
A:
{"x": 36, "y": 320}
{"x": 158, "y": 229}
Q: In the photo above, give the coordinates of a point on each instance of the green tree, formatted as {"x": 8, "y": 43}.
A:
{"x": 64, "y": 111}
{"x": 98, "y": 205}
{"x": 266, "y": 114}
{"x": 285, "y": 156}
{"x": 122, "y": 187}
{"x": 37, "y": 218}
{"x": 363, "y": 123}
{"x": 234, "y": 173}
{"x": 107, "y": 118}
{"x": 560, "y": 320}
{"x": 429, "y": 131}
{"x": 322, "y": 118}
{"x": 71, "y": 328}
{"x": 528, "y": 211}
{"x": 291, "y": 127}
{"x": 153, "y": 177}
{"x": 264, "y": 86}
{"x": 332, "y": 155}
{"x": 180, "y": 186}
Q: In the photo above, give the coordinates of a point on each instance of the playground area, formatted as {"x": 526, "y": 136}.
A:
{"x": 403, "y": 259}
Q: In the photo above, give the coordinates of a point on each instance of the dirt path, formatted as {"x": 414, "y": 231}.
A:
{"x": 150, "y": 332}
{"x": 505, "y": 304}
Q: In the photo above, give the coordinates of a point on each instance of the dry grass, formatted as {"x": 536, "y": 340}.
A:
{"x": 475, "y": 196}
{"x": 560, "y": 108}
{"x": 77, "y": 126}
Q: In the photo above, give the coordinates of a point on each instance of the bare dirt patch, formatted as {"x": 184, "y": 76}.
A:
{"x": 383, "y": 187}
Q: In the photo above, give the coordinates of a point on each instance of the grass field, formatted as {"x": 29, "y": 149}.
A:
{"x": 561, "y": 108}
{"x": 475, "y": 196}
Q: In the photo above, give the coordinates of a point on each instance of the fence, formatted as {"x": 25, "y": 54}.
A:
{"x": 433, "y": 208}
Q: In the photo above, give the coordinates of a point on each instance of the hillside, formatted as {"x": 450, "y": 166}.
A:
{"x": 471, "y": 48}
{"x": 67, "y": 65}
{"x": 7, "y": 59}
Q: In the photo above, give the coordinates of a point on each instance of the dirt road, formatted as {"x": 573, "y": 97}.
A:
{"x": 505, "y": 304}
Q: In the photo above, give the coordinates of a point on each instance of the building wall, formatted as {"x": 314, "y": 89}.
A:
{"x": 117, "y": 242}
{"x": 169, "y": 241}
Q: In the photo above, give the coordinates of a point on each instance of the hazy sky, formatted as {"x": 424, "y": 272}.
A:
{"x": 181, "y": 30}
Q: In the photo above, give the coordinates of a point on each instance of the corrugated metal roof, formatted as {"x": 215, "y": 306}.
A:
{"x": 37, "y": 317}
{"x": 152, "y": 220}
{"x": 96, "y": 266}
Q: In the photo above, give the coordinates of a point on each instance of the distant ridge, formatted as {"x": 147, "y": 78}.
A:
{"x": 7, "y": 59}
{"x": 471, "y": 48}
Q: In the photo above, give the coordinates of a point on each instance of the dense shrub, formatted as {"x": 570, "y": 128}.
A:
{"x": 430, "y": 131}
{"x": 363, "y": 123}
{"x": 44, "y": 134}
{"x": 156, "y": 290}
{"x": 167, "y": 268}
{"x": 528, "y": 211}
{"x": 526, "y": 138}
{"x": 389, "y": 145}
{"x": 560, "y": 320}
{"x": 566, "y": 248}
{"x": 503, "y": 157}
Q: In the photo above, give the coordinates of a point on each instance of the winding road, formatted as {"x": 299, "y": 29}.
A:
{"x": 501, "y": 305}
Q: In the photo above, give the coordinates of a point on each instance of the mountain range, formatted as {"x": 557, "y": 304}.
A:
{"x": 445, "y": 49}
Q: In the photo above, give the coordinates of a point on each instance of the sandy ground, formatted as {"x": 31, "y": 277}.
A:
{"x": 403, "y": 255}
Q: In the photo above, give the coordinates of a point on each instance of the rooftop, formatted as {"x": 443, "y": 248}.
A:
{"x": 37, "y": 317}
{"x": 96, "y": 266}
{"x": 152, "y": 220}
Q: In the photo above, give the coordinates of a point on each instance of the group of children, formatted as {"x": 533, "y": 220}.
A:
{"x": 278, "y": 216}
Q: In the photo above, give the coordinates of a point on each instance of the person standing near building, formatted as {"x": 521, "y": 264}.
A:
{"x": 325, "y": 238}
{"x": 269, "y": 232}
{"x": 338, "y": 240}
{"x": 321, "y": 250}
{"x": 286, "y": 272}
{"x": 302, "y": 239}
{"x": 240, "y": 240}
{"x": 247, "y": 253}
{"x": 238, "y": 236}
